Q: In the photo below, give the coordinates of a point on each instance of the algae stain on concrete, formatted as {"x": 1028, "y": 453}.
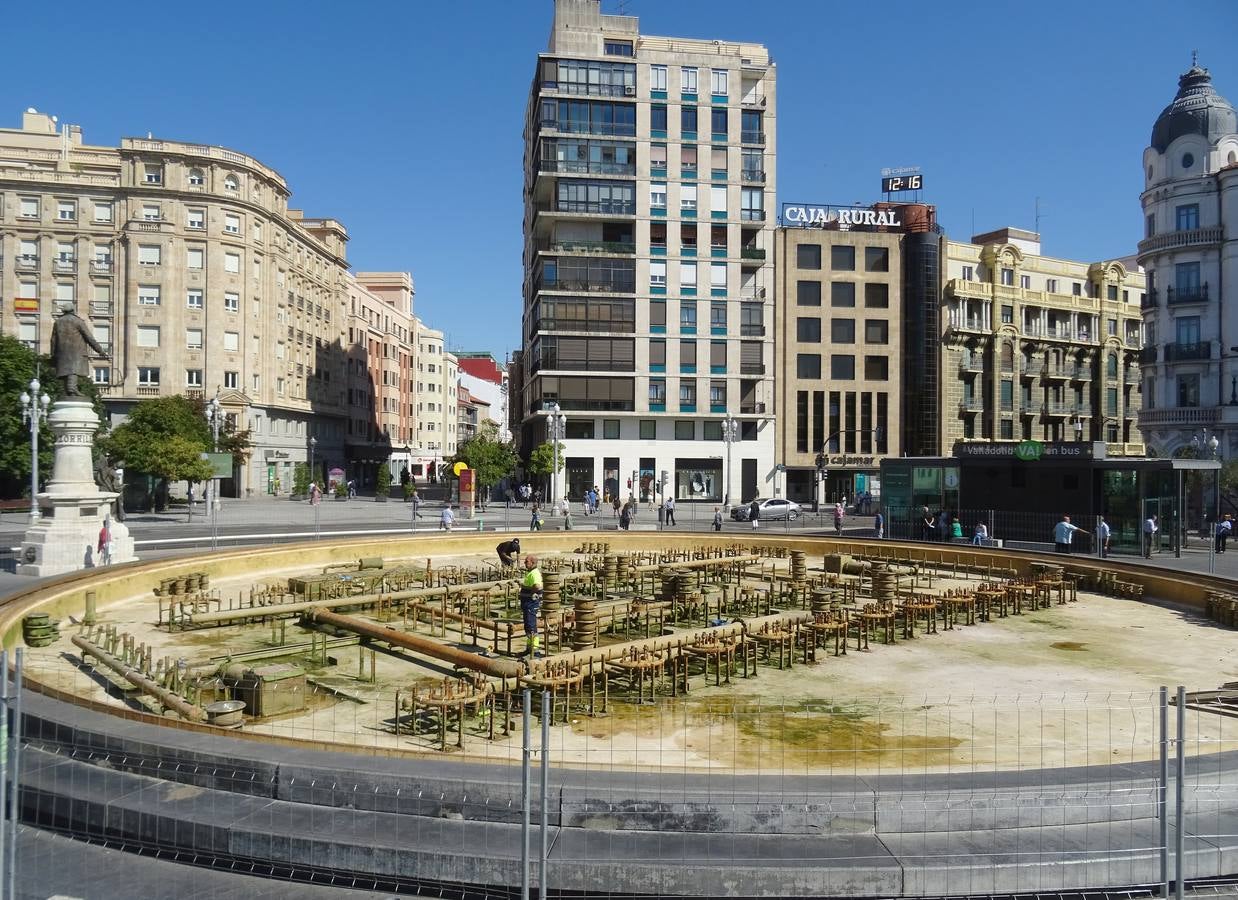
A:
{"x": 1069, "y": 645}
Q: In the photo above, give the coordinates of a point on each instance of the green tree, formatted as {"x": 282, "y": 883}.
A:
{"x": 491, "y": 459}
{"x": 382, "y": 481}
{"x": 18, "y": 365}
{"x": 300, "y": 480}
{"x": 163, "y": 437}
{"x": 541, "y": 459}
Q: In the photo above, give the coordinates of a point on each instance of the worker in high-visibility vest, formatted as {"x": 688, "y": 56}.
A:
{"x": 531, "y": 604}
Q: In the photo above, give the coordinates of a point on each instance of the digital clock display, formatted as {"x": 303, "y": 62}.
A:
{"x": 898, "y": 183}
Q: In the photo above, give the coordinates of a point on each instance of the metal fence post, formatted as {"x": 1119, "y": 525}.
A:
{"x": 542, "y": 890}
{"x": 4, "y": 763}
{"x": 1179, "y": 796}
{"x": 1162, "y": 790}
{"x": 15, "y": 792}
{"x": 524, "y": 796}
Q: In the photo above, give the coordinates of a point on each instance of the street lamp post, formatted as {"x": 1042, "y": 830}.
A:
{"x": 213, "y": 416}
{"x": 556, "y": 425}
{"x": 730, "y": 434}
{"x": 33, "y": 411}
{"x": 822, "y": 473}
{"x": 313, "y": 443}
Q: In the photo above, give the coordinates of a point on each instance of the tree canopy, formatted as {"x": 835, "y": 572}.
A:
{"x": 542, "y": 459}
{"x": 164, "y": 437}
{"x": 486, "y": 455}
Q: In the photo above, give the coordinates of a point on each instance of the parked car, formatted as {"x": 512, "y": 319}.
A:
{"x": 772, "y": 508}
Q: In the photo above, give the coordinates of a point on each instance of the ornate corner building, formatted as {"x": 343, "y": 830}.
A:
{"x": 1190, "y": 254}
{"x": 1039, "y": 348}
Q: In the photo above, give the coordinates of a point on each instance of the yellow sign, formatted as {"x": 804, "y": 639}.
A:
{"x": 25, "y": 304}
{"x": 458, "y": 468}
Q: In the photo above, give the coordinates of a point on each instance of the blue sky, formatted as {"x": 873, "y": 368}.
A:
{"x": 383, "y": 115}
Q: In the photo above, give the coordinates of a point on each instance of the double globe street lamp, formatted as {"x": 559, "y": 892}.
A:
{"x": 556, "y": 429}
{"x": 730, "y": 434}
{"x": 33, "y": 411}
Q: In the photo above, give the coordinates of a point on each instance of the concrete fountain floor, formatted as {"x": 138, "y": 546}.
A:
{"x": 1065, "y": 686}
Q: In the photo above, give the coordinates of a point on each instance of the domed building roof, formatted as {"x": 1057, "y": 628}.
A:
{"x": 1197, "y": 109}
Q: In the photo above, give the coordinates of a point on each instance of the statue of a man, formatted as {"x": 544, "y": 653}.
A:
{"x": 71, "y": 339}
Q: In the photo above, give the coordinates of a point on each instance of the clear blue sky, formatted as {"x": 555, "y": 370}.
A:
{"x": 404, "y": 119}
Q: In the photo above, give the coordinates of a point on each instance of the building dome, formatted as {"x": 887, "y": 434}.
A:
{"x": 1197, "y": 109}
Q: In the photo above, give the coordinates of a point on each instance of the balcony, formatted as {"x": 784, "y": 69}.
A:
{"x": 1188, "y": 352}
{"x": 585, "y": 167}
{"x": 752, "y": 137}
{"x": 1196, "y": 294}
{"x": 101, "y": 308}
{"x": 148, "y": 390}
{"x": 1058, "y": 373}
{"x": 64, "y": 264}
{"x": 752, "y": 176}
{"x": 587, "y": 88}
{"x": 752, "y": 215}
{"x": 971, "y": 405}
{"x": 1081, "y": 373}
{"x": 751, "y": 408}
{"x": 588, "y": 286}
{"x": 601, "y": 248}
{"x": 1057, "y": 409}
{"x": 1033, "y": 368}
{"x": 594, "y": 207}
{"x": 752, "y": 331}
{"x": 752, "y": 253}
{"x": 1150, "y": 300}
{"x": 27, "y": 262}
{"x": 1147, "y": 355}
{"x": 971, "y": 366}
{"x": 1182, "y": 415}
{"x": 1171, "y": 240}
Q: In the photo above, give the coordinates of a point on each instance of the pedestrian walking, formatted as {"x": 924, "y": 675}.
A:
{"x": 625, "y": 515}
{"x": 981, "y": 535}
{"x": 616, "y": 505}
{"x": 535, "y": 523}
{"x": 1102, "y": 537}
{"x": 928, "y": 525}
{"x": 717, "y": 518}
{"x": 1150, "y": 528}
{"x": 879, "y": 526}
{"x": 352, "y": 489}
{"x": 754, "y": 514}
{"x": 1064, "y": 533}
{"x": 838, "y": 519}
{"x": 447, "y": 519}
{"x": 315, "y": 494}
{"x": 1223, "y": 530}
{"x": 670, "y": 510}
{"x": 105, "y": 542}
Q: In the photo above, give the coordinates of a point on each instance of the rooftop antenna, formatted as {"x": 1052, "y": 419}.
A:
{"x": 623, "y": 7}
{"x": 1038, "y": 215}
{"x": 1194, "y": 53}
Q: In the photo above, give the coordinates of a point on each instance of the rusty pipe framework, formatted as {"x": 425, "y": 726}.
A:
{"x": 140, "y": 681}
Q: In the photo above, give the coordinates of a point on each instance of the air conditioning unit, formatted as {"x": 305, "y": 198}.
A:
{"x": 629, "y": 90}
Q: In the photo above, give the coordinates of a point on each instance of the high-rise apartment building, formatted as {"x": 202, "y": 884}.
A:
{"x": 1190, "y": 252}
{"x": 649, "y": 164}
{"x": 434, "y": 397}
{"x": 1038, "y": 348}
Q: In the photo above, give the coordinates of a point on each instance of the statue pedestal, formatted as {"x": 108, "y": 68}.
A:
{"x": 72, "y": 509}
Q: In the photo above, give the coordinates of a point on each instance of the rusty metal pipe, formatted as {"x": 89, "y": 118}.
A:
{"x": 140, "y": 681}
{"x": 488, "y": 665}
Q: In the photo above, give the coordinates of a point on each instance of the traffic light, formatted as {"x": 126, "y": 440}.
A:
{"x": 665, "y": 481}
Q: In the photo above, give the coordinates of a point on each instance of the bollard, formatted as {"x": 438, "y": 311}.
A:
{"x": 89, "y": 617}
{"x": 481, "y": 524}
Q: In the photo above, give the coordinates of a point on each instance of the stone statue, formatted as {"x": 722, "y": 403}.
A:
{"x": 71, "y": 338}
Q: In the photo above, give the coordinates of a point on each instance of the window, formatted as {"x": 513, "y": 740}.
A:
{"x": 148, "y": 295}
{"x": 1186, "y": 279}
{"x": 1188, "y": 390}
{"x": 842, "y": 331}
{"x": 687, "y": 394}
{"x": 232, "y": 224}
{"x": 1111, "y": 365}
{"x": 842, "y": 366}
{"x": 842, "y": 293}
{"x": 193, "y": 378}
{"x": 685, "y": 430}
{"x": 232, "y": 301}
{"x": 717, "y": 203}
{"x": 876, "y": 259}
{"x": 657, "y": 195}
{"x": 648, "y": 429}
{"x": 876, "y": 295}
{"x": 718, "y": 123}
{"x": 256, "y": 230}
{"x": 1187, "y": 329}
{"x": 617, "y": 48}
{"x": 1007, "y": 430}
{"x": 657, "y": 392}
{"x": 28, "y": 290}
{"x": 1111, "y": 292}
{"x": 657, "y": 118}
{"x": 148, "y": 376}
{"x": 1008, "y": 277}
{"x": 103, "y": 212}
{"x": 1076, "y": 290}
{"x": 29, "y": 208}
{"x": 66, "y": 210}
{"x": 657, "y": 273}
{"x": 64, "y": 293}
{"x": 717, "y": 276}
{"x": 1025, "y": 282}
{"x": 1051, "y": 285}
{"x": 718, "y": 82}
{"x": 151, "y": 212}
{"x": 687, "y": 198}
{"x": 231, "y": 184}
{"x": 657, "y": 352}
{"x": 232, "y": 341}
{"x": 154, "y": 173}
{"x": 808, "y": 293}
{"x": 687, "y": 354}
{"x": 148, "y": 254}
{"x": 193, "y": 338}
{"x": 876, "y": 368}
{"x": 718, "y": 165}
{"x": 876, "y": 331}
{"x": 687, "y": 80}
{"x": 657, "y": 314}
{"x": 196, "y": 178}
{"x": 102, "y": 375}
{"x": 808, "y": 330}
{"x": 687, "y": 160}
{"x": 808, "y": 365}
{"x": 193, "y": 299}
{"x": 195, "y": 218}
{"x": 657, "y": 78}
{"x": 711, "y": 430}
{"x": 808, "y": 256}
{"x": 752, "y": 204}
{"x": 1007, "y": 315}
{"x": 195, "y": 258}
{"x": 231, "y": 380}
{"x": 102, "y": 293}
{"x": 717, "y": 355}
{"x": 842, "y": 258}
{"x": 279, "y": 386}
{"x": 28, "y": 334}
{"x": 687, "y": 121}
{"x": 687, "y": 315}
{"x": 969, "y": 273}
{"x": 64, "y": 252}
{"x": 1188, "y": 160}
{"x": 148, "y": 335}
{"x": 232, "y": 263}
